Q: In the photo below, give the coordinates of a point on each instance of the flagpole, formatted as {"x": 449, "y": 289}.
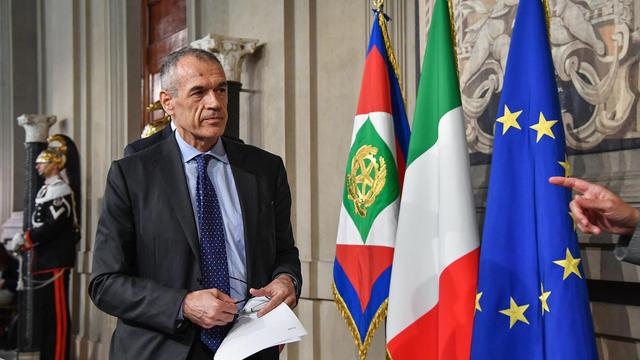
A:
{"x": 382, "y": 20}
{"x": 454, "y": 41}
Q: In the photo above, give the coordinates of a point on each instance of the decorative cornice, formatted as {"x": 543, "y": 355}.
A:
{"x": 36, "y": 126}
{"x": 230, "y": 51}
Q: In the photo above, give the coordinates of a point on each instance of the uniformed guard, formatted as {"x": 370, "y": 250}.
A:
{"x": 53, "y": 236}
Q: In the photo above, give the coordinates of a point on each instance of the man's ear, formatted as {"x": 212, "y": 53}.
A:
{"x": 166, "y": 100}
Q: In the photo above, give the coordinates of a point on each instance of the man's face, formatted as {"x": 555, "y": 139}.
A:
{"x": 199, "y": 105}
{"x": 47, "y": 169}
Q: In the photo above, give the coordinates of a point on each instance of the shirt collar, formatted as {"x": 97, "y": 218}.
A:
{"x": 188, "y": 152}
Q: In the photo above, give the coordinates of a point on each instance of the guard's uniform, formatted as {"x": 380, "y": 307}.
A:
{"x": 53, "y": 234}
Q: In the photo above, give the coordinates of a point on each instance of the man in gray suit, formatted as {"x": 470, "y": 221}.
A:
{"x": 192, "y": 226}
{"x": 596, "y": 209}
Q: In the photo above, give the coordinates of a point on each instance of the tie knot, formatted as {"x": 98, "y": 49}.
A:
{"x": 203, "y": 160}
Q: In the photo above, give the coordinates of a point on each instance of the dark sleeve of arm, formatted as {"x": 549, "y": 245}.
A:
{"x": 10, "y": 274}
{"x": 114, "y": 286}
{"x": 287, "y": 257}
{"x": 628, "y": 248}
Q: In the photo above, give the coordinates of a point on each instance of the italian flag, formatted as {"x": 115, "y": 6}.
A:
{"x": 435, "y": 265}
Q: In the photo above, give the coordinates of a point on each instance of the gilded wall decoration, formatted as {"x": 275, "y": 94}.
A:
{"x": 596, "y": 51}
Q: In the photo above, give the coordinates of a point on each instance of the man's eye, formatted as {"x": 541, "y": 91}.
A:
{"x": 221, "y": 90}
{"x": 197, "y": 93}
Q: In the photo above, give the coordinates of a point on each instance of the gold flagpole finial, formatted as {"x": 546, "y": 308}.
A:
{"x": 378, "y": 4}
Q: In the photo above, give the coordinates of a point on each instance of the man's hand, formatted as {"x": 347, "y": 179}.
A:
{"x": 280, "y": 290}
{"x": 208, "y": 308}
{"x": 598, "y": 209}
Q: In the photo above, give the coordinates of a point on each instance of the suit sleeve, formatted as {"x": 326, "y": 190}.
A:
{"x": 628, "y": 248}
{"x": 114, "y": 286}
{"x": 287, "y": 257}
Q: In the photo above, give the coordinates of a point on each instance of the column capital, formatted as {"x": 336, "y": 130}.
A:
{"x": 36, "y": 126}
{"x": 229, "y": 50}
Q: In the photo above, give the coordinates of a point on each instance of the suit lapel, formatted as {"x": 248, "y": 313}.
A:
{"x": 169, "y": 162}
{"x": 247, "y": 188}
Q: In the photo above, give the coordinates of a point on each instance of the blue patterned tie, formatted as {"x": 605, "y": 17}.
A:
{"x": 213, "y": 253}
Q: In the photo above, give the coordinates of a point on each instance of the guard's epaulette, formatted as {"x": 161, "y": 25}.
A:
{"x": 55, "y": 190}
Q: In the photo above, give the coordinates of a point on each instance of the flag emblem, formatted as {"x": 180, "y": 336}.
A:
{"x": 367, "y": 178}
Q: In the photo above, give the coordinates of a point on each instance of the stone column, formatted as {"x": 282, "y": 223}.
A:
{"x": 36, "y": 129}
{"x": 231, "y": 52}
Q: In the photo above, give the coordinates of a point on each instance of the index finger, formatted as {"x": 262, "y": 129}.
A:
{"x": 571, "y": 183}
{"x": 272, "y": 304}
{"x": 224, "y": 297}
{"x": 229, "y": 308}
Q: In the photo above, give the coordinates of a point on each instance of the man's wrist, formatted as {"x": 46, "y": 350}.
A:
{"x": 636, "y": 219}
{"x": 180, "y": 321}
{"x": 632, "y": 223}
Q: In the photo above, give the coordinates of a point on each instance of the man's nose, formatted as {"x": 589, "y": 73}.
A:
{"x": 212, "y": 101}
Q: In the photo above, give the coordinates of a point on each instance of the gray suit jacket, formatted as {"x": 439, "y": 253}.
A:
{"x": 628, "y": 248}
{"x": 147, "y": 255}
{"x": 141, "y": 144}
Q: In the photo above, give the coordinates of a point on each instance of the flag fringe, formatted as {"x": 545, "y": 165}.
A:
{"x": 381, "y": 314}
{"x": 390, "y": 54}
{"x": 454, "y": 41}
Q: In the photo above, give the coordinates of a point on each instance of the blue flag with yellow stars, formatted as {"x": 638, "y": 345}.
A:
{"x": 532, "y": 300}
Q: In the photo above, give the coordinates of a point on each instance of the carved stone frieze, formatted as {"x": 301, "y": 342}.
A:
{"x": 596, "y": 51}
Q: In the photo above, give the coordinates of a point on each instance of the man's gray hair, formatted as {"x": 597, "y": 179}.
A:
{"x": 167, "y": 70}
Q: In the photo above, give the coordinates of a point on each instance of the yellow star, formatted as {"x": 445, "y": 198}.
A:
{"x": 543, "y": 127}
{"x": 508, "y": 120}
{"x": 478, "y": 296}
{"x": 570, "y": 265}
{"x": 543, "y": 299}
{"x": 567, "y": 167}
{"x": 515, "y": 313}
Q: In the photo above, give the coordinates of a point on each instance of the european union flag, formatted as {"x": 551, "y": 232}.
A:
{"x": 532, "y": 300}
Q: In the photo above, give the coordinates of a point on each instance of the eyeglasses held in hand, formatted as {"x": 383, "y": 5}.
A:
{"x": 253, "y": 306}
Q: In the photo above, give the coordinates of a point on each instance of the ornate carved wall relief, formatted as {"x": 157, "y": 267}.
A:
{"x": 596, "y": 52}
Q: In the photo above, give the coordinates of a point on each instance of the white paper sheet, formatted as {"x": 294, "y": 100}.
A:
{"x": 251, "y": 334}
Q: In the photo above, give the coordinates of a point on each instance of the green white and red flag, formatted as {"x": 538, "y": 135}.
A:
{"x": 434, "y": 277}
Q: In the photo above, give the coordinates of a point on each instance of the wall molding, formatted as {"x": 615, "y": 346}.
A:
{"x": 6, "y": 111}
{"x": 193, "y": 21}
{"x": 116, "y": 114}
